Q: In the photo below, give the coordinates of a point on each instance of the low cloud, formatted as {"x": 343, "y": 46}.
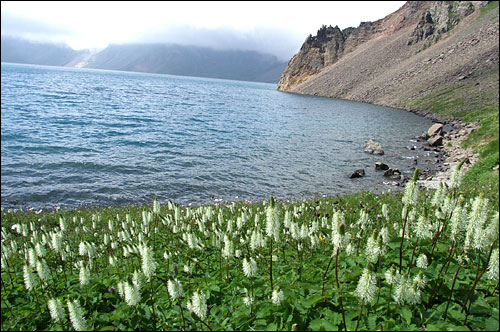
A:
{"x": 279, "y": 42}
{"x": 34, "y": 30}
{"x": 274, "y": 41}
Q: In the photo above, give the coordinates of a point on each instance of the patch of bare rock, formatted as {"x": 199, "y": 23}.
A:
{"x": 449, "y": 146}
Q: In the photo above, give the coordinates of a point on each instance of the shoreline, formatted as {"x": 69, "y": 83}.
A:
{"x": 447, "y": 157}
{"x": 451, "y": 153}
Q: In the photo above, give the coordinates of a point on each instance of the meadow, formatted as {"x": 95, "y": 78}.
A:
{"x": 417, "y": 260}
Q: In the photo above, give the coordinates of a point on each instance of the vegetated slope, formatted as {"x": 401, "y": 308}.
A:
{"x": 190, "y": 61}
{"x": 438, "y": 57}
{"x": 17, "y": 50}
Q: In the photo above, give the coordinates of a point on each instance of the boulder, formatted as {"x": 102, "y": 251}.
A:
{"x": 380, "y": 166}
{"x": 358, "y": 173}
{"x": 373, "y": 147}
{"x": 435, "y": 129}
{"x": 435, "y": 141}
{"x": 392, "y": 172}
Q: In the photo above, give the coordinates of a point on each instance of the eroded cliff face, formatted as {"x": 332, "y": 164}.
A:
{"x": 425, "y": 23}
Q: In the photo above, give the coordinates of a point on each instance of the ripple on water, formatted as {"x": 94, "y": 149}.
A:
{"x": 87, "y": 137}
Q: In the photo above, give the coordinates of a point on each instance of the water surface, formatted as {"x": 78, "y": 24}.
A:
{"x": 72, "y": 137}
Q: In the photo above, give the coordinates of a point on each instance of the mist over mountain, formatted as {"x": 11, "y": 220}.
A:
{"x": 190, "y": 61}
{"x": 18, "y": 50}
{"x": 151, "y": 58}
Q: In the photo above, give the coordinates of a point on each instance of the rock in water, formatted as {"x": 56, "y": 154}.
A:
{"x": 359, "y": 173}
{"x": 380, "y": 166}
{"x": 373, "y": 147}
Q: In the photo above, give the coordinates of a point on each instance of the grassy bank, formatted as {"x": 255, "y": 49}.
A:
{"x": 404, "y": 261}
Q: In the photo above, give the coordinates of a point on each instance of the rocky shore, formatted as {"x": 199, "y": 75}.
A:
{"x": 450, "y": 154}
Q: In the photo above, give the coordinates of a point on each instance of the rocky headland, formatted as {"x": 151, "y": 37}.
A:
{"x": 424, "y": 52}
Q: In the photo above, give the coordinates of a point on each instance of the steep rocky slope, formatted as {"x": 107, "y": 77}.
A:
{"x": 423, "y": 48}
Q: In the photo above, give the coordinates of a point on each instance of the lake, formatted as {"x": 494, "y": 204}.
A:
{"x": 78, "y": 137}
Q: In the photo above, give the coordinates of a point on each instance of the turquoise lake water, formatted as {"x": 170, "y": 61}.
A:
{"x": 76, "y": 137}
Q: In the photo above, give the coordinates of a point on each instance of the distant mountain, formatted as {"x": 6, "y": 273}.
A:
{"x": 190, "y": 61}
{"x": 23, "y": 51}
{"x": 151, "y": 58}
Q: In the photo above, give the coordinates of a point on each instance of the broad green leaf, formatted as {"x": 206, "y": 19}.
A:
{"x": 406, "y": 314}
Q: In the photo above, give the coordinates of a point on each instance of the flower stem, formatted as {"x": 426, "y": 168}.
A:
{"x": 413, "y": 255}
{"x": 324, "y": 275}
{"x": 478, "y": 276}
{"x": 451, "y": 293}
{"x": 359, "y": 317}
{"x": 182, "y": 314}
{"x": 338, "y": 287}
{"x": 153, "y": 302}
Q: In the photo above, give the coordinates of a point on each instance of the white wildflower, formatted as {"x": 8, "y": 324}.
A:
{"x": 84, "y": 275}
{"x": 272, "y": 222}
{"x": 137, "y": 280}
{"x": 419, "y": 280}
{"x": 32, "y": 257}
{"x": 132, "y": 294}
{"x": 278, "y": 296}
{"x": 385, "y": 211}
{"x": 392, "y": 276}
{"x": 248, "y": 300}
{"x": 76, "y": 316}
{"x": 227, "y": 252}
{"x": 249, "y": 267}
{"x": 148, "y": 261}
{"x": 456, "y": 176}
{"x": 43, "y": 270}
{"x": 174, "y": 289}
{"x": 411, "y": 193}
{"x": 56, "y": 310}
{"x": 29, "y": 278}
{"x": 423, "y": 227}
{"x": 199, "y": 304}
{"x": 366, "y": 286}
{"x": 422, "y": 261}
{"x": 493, "y": 266}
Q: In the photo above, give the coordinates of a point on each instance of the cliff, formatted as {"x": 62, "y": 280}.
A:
{"x": 422, "y": 48}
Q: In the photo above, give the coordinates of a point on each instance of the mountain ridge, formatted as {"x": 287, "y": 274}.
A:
{"x": 403, "y": 57}
{"x": 173, "y": 59}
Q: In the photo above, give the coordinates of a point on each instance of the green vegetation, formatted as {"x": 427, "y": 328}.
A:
{"x": 405, "y": 261}
{"x": 491, "y": 6}
{"x": 469, "y": 102}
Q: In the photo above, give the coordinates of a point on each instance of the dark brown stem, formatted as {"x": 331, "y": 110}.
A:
{"x": 359, "y": 317}
{"x": 182, "y": 314}
{"x": 451, "y": 293}
{"x": 429, "y": 302}
{"x": 338, "y": 287}
{"x": 324, "y": 275}
{"x": 478, "y": 276}
{"x": 412, "y": 255}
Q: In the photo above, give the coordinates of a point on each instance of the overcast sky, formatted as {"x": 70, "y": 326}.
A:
{"x": 278, "y": 28}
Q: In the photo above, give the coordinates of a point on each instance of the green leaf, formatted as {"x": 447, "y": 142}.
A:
{"x": 315, "y": 299}
{"x": 316, "y": 325}
{"x": 272, "y": 327}
{"x": 372, "y": 322}
{"x": 406, "y": 314}
{"x": 491, "y": 324}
